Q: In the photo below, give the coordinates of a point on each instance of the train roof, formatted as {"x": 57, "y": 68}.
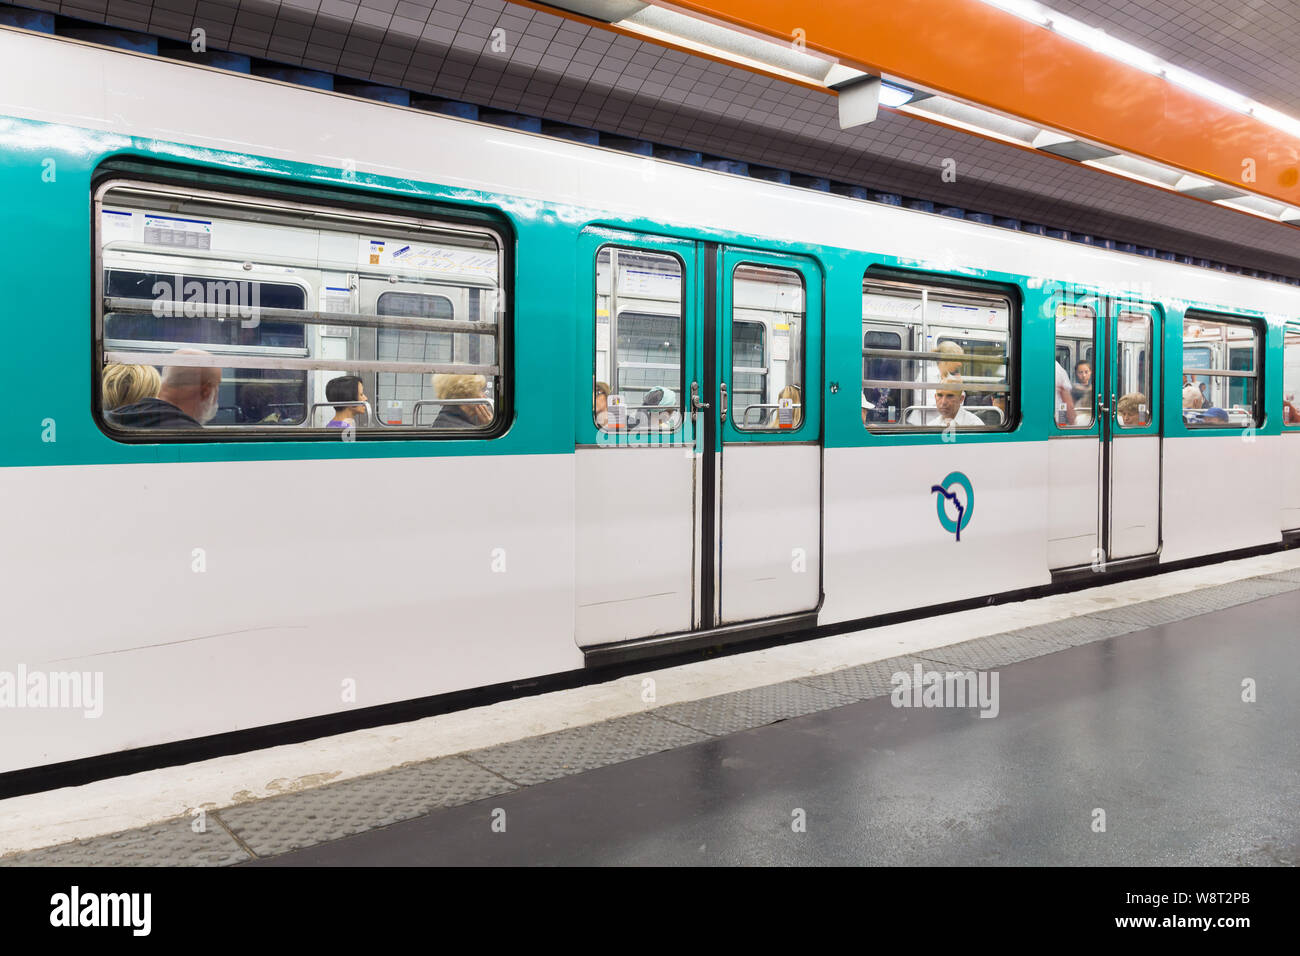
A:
{"x": 530, "y": 175}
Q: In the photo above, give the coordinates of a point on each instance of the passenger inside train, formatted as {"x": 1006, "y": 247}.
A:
{"x": 600, "y": 404}
{"x": 796, "y": 415}
{"x": 467, "y": 404}
{"x": 128, "y": 384}
{"x": 1081, "y": 390}
{"x": 1132, "y": 410}
{"x": 350, "y": 393}
{"x": 1064, "y": 397}
{"x": 948, "y": 407}
{"x": 187, "y": 398}
{"x": 661, "y": 409}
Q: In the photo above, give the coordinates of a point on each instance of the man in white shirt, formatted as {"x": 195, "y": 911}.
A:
{"x": 1064, "y": 397}
{"x": 948, "y": 410}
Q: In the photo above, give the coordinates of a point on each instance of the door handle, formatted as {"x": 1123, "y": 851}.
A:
{"x": 723, "y": 409}
{"x": 696, "y": 404}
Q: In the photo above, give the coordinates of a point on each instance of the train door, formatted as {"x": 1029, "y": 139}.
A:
{"x": 1075, "y": 446}
{"x": 638, "y": 471}
{"x": 1130, "y": 431}
{"x": 769, "y": 415}
{"x": 400, "y": 398}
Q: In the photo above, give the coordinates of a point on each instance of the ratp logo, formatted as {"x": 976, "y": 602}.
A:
{"x": 948, "y": 496}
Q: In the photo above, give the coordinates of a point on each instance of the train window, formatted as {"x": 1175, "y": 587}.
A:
{"x": 1132, "y": 372}
{"x": 749, "y": 369}
{"x": 934, "y": 358}
{"x": 1291, "y": 375}
{"x": 240, "y": 317}
{"x": 1220, "y": 372}
{"x": 638, "y": 340}
{"x": 396, "y": 393}
{"x": 1076, "y": 383}
{"x": 767, "y": 303}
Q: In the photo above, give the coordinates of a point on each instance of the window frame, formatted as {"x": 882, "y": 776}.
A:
{"x": 683, "y": 407}
{"x": 926, "y": 285}
{"x": 1259, "y": 348}
{"x": 338, "y": 211}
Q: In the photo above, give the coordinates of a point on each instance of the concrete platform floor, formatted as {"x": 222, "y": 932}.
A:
{"x": 1149, "y": 727}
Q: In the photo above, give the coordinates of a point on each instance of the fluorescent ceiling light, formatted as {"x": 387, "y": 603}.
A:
{"x": 1144, "y": 171}
{"x": 894, "y": 96}
{"x": 1116, "y": 49}
{"x": 1208, "y": 89}
{"x": 1025, "y": 9}
{"x": 1187, "y": 182}
{"x": 705, "y": 36}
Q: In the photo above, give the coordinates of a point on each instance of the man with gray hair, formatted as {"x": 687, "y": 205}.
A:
{"x": 947, "y": 407}
{"x": 186, "y": 399}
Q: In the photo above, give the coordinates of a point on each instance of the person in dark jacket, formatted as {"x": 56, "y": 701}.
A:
{"x": 187, "y": 398}
{"x": 468, "y": 388}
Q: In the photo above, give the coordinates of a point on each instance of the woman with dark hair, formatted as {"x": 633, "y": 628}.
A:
{"x": 347, "y": 390}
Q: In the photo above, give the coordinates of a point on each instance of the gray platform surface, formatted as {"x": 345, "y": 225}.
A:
{"x": 1134, "y": 711}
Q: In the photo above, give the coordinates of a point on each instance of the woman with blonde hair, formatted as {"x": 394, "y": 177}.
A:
{"x": 469, "y": 413}
{"x": 791, "y": 392}
{"x": 949, "y": 347}
{"x": 128, "y": 384}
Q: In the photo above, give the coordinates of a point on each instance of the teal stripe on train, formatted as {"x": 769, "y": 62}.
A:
{"x": 45, "y": 177}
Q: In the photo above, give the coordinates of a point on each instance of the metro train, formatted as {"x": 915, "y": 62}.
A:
{"x": 599, "y": 407}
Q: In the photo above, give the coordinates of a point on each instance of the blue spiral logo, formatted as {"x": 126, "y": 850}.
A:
{"x": 965, "y": 509}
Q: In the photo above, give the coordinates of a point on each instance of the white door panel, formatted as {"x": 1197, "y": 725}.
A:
{"x": 1073, "y": 485}
{"x": 1135, "y": 495}
{"x": 1290, "y": 462}
{"x": 771, "y": 530}
{"x": 635, "y": 539}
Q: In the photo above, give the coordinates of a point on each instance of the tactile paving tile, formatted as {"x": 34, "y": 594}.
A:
{"x": 744, "y": 709}
{"x": 171, "y": 843}
{"x": 566, "y": 752}
{"x": 1179, "y": 607}
{"x": 296, "y": 820}
{"x": 1074, "y": 631}
{"x": 863, "y": 681}
{"x": 996, "y": 650}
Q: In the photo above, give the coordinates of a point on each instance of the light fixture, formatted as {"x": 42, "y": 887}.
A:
{"x": 705, "y": 36}
{"x": 1025, "y": 9}
{"x": 895, "y": 96}
{"x": 1050, "y": 142}
{"x": 1110, "y": 46}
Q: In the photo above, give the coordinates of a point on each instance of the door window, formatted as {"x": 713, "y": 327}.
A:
{"x": 1133, "y": 370}
{"x": 767, "y": 306}
{"x": 639, "y": 319}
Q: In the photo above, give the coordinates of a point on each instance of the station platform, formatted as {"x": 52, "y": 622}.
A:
{"x": 1150, "y": 722}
